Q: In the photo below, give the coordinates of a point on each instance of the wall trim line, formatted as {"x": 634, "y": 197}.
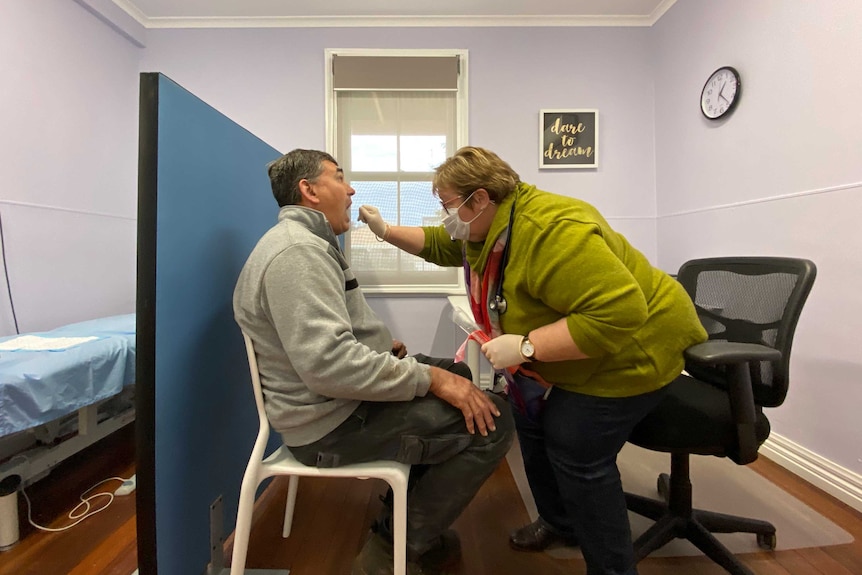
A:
{"x": 815, "y": 192}
{"x": 71, "y": 210}
{"x": 841, "y": 483}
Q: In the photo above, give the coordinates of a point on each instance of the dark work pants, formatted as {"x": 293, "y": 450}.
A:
{"x": 571, "y": 464}
{"x": 449, "y": 464}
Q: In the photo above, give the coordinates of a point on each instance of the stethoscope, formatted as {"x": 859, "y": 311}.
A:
{"x": 499, "y": 303}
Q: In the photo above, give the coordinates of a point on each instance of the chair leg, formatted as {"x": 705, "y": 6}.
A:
{"x": 399, "y": 527}
{"x": 723, "y": 523}
{"x": 645, "y": 506}
{"x": 660, "y": 533}
{"x": 289, "y": 506}
{"x": 712, "y": 548}
{"x": 243, "y": 527}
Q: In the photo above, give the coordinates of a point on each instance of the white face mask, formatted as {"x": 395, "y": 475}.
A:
{"x": 457, "y": 228}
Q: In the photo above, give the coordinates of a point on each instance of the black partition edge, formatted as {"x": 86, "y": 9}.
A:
{"x": 145, "y": 392}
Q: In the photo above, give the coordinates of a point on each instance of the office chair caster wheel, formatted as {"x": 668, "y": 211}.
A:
{"x": 767, "y": 541}
{"x": 662, "y": 485}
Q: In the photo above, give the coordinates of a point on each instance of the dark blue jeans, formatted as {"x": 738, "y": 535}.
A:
{"x": 571, "y": 462}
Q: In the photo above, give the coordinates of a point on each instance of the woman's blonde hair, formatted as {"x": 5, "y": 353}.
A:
{"x": 472, "y": 168}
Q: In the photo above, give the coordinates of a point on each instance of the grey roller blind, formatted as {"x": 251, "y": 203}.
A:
{"x": 395, "y": 73}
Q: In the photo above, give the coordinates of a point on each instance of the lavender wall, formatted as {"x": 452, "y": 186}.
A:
{"x": 68, "y": 156}
{"x": 272, "y": 82}
{"x": 782, "y": 176}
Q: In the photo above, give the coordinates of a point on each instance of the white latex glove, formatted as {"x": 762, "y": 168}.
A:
{"x": 504, "y": 351}
{"x": 371, "y": 216}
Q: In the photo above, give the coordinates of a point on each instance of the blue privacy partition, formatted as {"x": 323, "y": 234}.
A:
{"x": 203, "y": 202}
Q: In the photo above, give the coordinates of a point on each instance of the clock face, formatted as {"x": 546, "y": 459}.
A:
{"x": 720, "y": 93}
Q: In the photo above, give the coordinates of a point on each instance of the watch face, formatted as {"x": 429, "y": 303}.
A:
{"x": 720, "y": 93}
{"x": 527, "y": 349}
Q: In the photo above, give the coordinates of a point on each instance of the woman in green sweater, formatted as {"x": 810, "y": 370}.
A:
{"x": 585, "y": 330}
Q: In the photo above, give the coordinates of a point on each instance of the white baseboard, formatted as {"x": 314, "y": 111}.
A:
{"x": 835, "y": 480}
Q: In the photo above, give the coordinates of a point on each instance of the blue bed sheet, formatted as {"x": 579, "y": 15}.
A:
{"x": 39, "y": 386}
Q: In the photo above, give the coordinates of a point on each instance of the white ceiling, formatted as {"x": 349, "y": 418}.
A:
{"x": 230, "y": 13}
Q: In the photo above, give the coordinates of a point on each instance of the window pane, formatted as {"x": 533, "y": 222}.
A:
{"x": 410, "y": 204}
{"x": 373, "y": 153}
{"x": 422, "y": 153}
{"x": 366, "y": 252}
{"x": 382, "y": 195}
{"x": 407, "y": 204}
{"x": 419, "y": 207}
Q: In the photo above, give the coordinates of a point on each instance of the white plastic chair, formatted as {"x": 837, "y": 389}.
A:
{"x": 282, "y": 462}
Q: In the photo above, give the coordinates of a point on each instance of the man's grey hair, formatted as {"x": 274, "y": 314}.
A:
{"x": 286, "y": 172}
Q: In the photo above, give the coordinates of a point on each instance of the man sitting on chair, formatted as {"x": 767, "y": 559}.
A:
{"x": 337, "y": 387}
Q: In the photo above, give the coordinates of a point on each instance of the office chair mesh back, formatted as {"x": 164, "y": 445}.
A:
{"x": 744, "y": 302}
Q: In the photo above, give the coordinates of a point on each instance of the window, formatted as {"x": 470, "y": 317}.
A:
{"x": 394, "y": 116}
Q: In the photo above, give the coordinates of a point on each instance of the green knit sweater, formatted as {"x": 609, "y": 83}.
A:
{"x": 631, "y": 319}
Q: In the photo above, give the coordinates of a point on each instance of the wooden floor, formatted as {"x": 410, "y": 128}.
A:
{"x": 104, "y": 544}
{"x": 331, "y": 522}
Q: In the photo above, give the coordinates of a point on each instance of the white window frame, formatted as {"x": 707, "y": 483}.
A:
{"x": 461, "y": 139}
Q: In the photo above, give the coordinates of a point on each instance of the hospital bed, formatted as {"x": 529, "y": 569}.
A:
{"x": 63, "y": 390}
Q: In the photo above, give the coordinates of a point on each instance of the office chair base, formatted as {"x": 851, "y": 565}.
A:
{"x": 697, "y": 526}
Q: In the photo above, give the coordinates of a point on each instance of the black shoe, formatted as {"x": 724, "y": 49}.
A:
{"x": 538, "y": 536}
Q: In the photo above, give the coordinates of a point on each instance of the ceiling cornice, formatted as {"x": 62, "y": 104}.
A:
{"x": 133, "y": 11}
{"x": 397, "y": 22}
{"x": 394, "y": 21}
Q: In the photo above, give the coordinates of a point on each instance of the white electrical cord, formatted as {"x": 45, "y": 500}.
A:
{"x": 73, "y": 513}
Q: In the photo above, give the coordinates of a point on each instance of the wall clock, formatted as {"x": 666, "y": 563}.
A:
{"x": 720, "y": 93}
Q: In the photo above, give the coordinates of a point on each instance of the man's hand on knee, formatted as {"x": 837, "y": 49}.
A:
{"x": 478, "y": 409}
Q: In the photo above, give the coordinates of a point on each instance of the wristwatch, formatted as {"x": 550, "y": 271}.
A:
{"x": 528, "y": 351}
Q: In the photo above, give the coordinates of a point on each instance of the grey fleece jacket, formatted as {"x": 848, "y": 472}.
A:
{"x": 320, "y": 348}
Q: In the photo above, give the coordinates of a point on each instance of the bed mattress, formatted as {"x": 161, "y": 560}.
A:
{"x": 38, "y": 386}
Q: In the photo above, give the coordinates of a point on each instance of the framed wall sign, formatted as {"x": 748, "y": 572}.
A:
{"x": 568, "y": 138}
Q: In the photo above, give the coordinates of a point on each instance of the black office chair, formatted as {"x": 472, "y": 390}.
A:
{"x": 749, "y": 306}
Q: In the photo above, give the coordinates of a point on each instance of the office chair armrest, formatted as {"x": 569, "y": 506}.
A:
{"x": 738, "y": 357}
{"x": 728, "y": 352}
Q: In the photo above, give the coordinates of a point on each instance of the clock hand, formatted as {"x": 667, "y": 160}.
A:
{"x": 721, "y": 93}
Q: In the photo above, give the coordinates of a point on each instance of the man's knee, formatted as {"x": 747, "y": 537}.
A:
{"x": 462, "y": 369}
{"x": 445, "y": 432}
{"x": 458, "y": 368}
